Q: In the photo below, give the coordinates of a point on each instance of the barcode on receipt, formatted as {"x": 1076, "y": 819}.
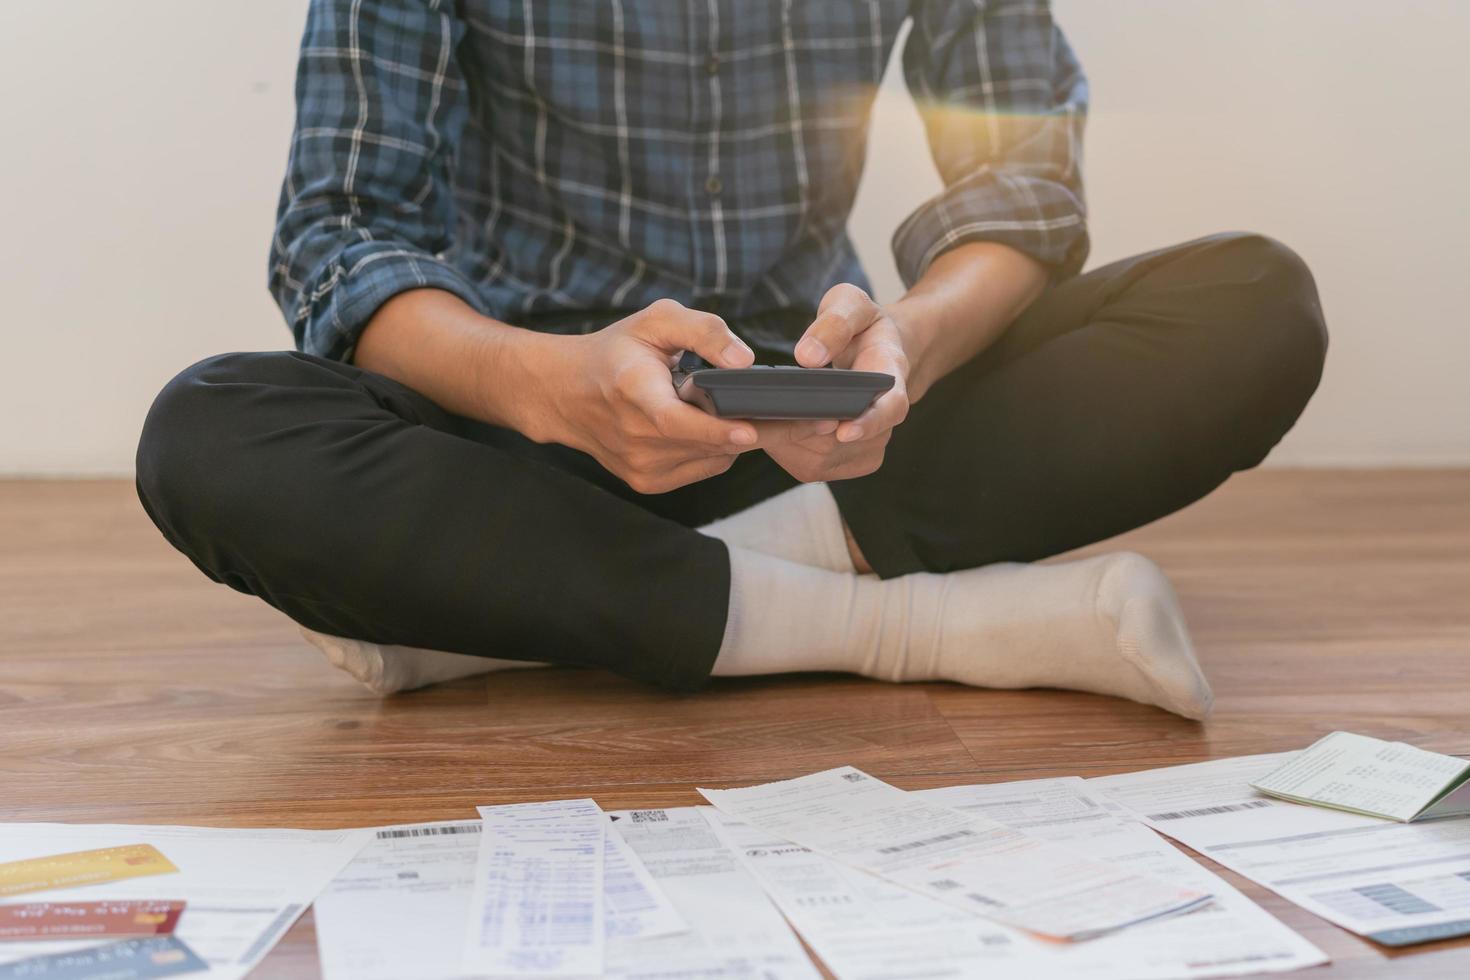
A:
{"x": 910, "y": 845}
{"x": 459, "y": 828}
{"x": 1208, "y": 810}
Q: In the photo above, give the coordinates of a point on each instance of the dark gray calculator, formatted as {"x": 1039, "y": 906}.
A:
{"x": 764, "y": 392}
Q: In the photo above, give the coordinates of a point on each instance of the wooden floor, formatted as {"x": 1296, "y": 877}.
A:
{"x": 132, "y": 689}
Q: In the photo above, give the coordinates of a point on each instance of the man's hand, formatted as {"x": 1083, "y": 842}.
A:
{"x": 610, "y": 395}
{"x": 850, "y": 331}
{"x": 556, "y": 389}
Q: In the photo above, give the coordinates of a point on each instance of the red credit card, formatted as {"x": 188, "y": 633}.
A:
{"x": 85, "y": 920}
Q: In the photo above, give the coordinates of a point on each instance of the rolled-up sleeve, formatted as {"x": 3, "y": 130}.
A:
{"x": 1003, "y": 100}
{"x": 366, "y": 209}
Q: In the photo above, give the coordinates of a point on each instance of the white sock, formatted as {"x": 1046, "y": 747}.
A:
{"x": 801, "y": 525}
{"x": 389, "y": 669}
{"x": 1109, "y": 625}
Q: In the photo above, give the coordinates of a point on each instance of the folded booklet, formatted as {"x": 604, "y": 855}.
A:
{"x": 1373, "y": 777}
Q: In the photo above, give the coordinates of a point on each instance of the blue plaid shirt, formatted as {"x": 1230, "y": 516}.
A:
{"x": 556, "y": 160}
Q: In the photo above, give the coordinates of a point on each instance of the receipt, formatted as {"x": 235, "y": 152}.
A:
{"x": 969, "y": 861}
{"x": 243, "y": 887}
{"x": 734, "y": 933}
{"x": 1395, "y": 883}
{"x": 398, "y": 910}
{"x": 867, "y": 928}
{"x": 537, "y": 907}
{"x": 1368, "y": 775}
{"x": 636, "y": 907}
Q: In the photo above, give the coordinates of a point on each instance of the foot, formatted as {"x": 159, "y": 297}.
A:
{"x": 1152, "y": 636}
{"x": 1109, "y": 625}
{"x": 387, "y": 669}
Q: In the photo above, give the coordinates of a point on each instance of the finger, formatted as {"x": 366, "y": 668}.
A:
{"x": 885, "y": 413}
{"x": 835, "y": 463}
{"x": 670, "y": 327}
{"x": 852, "y": 469}
{"x": 698, "y": 469}
{"x": 678, "y": 421}
{"x": 884, "y": 354}
{"x": 771, "y": 433}
{"x": 820, "y": 441}
{"x": 807, "y": 431}
{"x": 892, "y": 407}
{"x": 845, "y": 312}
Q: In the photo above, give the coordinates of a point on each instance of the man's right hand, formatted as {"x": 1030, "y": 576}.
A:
{"x": 610, "y": 394}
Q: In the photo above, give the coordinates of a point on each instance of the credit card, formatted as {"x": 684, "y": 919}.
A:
{"x": 82, "y": 868}
{"x": 88, "y": 920}
{"x": 131, "y": 959}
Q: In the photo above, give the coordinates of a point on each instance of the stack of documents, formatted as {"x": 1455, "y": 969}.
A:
{"x": 966, "y": 860}
{"x": 562, "y": 889}
{"x": 525, "y": 889}
{"x": 868, "y": 928}
{"x": 1396, "y": 883}
{"x": 1032, "y": 879}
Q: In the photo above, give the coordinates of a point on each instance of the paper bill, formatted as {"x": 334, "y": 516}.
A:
{"x": 537, "y": 906}
{"x": 734, "y": 933}
{"x": 243, "y": 888}
{"x": 1370, "y": 776}
{"x": 398, "y": 911}
{"x": 867, "y": 928}
{"x": 636, "y": 907}
{"x": 129, "y": 959}
{"x": 88, "y": 920}
{"x": 969, "y": 861}
{"x": 77, "y": 868}
{"x": 1392, "y": 882}
{"x": 1230, "y": 936}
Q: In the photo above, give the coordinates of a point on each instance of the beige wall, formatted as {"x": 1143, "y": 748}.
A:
{"x": 144, "y": 143}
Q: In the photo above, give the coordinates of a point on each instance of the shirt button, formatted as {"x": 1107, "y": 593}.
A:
{"x": 714, "y": 184}
{"x": 712, "y": 64}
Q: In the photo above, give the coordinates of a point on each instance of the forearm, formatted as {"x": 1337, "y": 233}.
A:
{"x": 963, "y": 303}
{"x": 468, "y": 364}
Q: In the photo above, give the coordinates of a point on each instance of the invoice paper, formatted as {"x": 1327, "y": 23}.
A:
{"x": 398, "y": 910}
{"x": 969, "y": 861}
{"x": 1231, "y": 935}
{"x": 243, "y": 888}
{"x": 1368, "y": 775}
{"x": 735, "y": 933}
{"x": 536, "y": 907}
{"x": 1394, "y": 883}
{"x": 866, "y": 928}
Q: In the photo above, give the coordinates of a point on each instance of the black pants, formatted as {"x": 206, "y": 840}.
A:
{"x": 358, "y": 507}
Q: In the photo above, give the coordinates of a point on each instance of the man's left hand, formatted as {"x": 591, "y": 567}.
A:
{"x": 850, "y": 331}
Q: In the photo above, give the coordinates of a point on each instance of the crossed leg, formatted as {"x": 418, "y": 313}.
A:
{"x": 361, "y": 510}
